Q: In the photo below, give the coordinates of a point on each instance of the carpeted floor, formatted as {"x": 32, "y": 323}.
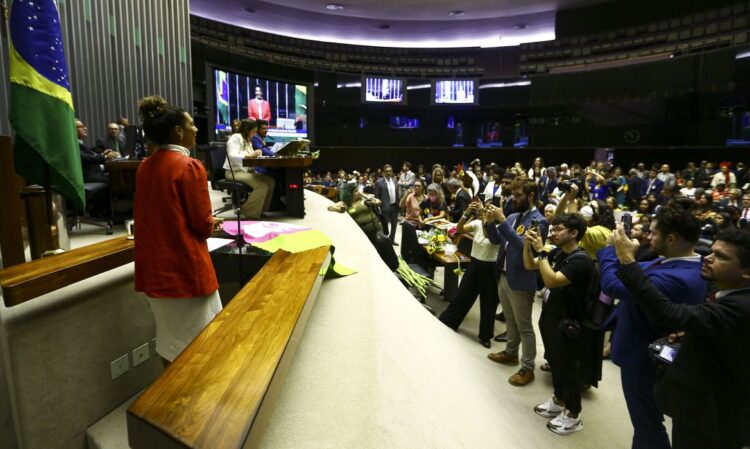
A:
{"x": 375, "y": 369}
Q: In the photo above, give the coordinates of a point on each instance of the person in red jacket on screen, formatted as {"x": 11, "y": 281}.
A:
{"x": 258, "y": 108}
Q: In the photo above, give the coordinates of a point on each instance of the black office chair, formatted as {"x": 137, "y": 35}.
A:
{"x": 238, "y": 191}
{"x": 94, "y": 191}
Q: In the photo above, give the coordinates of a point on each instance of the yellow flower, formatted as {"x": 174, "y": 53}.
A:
{"x": 430, "y": 250}
{"x": 441, "y": 238}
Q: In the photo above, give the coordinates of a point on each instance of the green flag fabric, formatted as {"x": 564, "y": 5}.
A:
{"x": 41, "y": 105}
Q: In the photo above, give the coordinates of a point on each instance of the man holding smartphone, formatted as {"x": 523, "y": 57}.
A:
{"x": 710, "y": 408}
{"x": 676, "y": 274}
{"x": 517, "y": 285}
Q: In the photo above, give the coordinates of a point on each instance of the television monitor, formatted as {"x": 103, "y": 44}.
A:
{"x": 454, "y": 92}
{"x": 403, "y": 122}
{"x": 284, "y": 105}
{"x": 383, "y": 90}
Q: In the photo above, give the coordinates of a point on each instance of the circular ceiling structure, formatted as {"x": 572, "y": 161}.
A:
{"x": 396, "y": 23}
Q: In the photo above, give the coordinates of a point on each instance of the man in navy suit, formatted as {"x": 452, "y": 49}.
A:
{"x": 710, "y": 408}
{"x": 517, "y": 285}
{"x": 677, "y": 274}
{"x": 652, "y": 184}
{"x": 386, "y": 190}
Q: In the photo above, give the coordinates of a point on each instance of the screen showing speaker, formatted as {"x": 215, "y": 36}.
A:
{"x": 454, "y": 92}
{"x": 383, "y": 90}
{"x": 283, "y": 105}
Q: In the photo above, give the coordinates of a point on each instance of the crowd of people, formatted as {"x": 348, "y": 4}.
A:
{"x": 636, "y": 253}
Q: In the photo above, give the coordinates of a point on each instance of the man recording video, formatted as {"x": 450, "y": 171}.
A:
{"x": 705, "y": 389}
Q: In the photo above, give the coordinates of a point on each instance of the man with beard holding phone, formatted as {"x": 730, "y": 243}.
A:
{"x": 517, "y": 285}
{"x": 676, "y": 274}
{"x": 705, "y": 388}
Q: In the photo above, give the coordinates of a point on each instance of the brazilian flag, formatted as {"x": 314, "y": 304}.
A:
{"x": 41, "y": 106}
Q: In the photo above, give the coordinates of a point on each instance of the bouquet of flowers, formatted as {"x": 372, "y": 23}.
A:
{"x": 433, "y": 240}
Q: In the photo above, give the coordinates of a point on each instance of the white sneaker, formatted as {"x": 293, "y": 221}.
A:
{"x": 565, "y": 424}
{"x": 549, "y": 409}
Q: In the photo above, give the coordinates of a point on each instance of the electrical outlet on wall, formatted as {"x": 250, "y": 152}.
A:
{"x": 120, "y": 366}
{"x": 141, "y": 354}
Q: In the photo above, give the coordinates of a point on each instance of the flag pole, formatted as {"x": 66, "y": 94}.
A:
{"x": 48, "y": 198}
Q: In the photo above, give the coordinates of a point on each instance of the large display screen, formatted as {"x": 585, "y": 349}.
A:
{"x": 454, "y": 92}
{"x": 282, "y": 105}
{"x": 383, "y": 90}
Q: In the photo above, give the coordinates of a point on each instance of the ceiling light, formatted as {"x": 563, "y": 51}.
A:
{"x": 457, "y": 13}
{"x": 520, "y": 26}
{"x": 384, "y": 26}
{"x": 250, "y": 10}
{"x": 334, "y": 7}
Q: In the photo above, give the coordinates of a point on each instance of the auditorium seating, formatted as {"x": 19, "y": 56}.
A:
{"x": 336, "y": 57}
{"x": 703, "y": 31}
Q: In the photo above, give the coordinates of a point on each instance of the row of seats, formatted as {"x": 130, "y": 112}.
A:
{"x": 335, "y": 66}
{"x": 331, "y": 52}
{"x": 690, "y": 34}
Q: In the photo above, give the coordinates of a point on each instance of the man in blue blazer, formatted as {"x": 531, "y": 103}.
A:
{"x": 516, "y": 284}
{"x": 652, "y": 184}
{"x": 677, "y": 274}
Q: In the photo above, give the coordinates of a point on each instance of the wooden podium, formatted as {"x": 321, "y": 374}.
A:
{"x": 295, "y": 195}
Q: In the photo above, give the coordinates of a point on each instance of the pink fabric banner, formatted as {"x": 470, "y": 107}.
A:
{"x": 261, "y": 231}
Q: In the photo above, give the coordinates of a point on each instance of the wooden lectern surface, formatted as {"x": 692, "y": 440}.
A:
{"x": 26, "y": 281}
{"x": 211, "y": 395}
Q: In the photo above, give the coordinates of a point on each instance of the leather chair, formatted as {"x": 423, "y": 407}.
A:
{"x": 238, "y": 191}
{"x": 94, "y": 190}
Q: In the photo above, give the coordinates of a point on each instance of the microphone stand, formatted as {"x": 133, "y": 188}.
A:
{"x": 239, "y": 241}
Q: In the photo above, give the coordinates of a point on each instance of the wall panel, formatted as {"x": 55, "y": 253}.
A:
{"x": 117, "y": 52}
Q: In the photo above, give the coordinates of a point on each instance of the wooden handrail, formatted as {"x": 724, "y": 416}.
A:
{"x": 29, "y": 280}
{"x": 219, "y": 392}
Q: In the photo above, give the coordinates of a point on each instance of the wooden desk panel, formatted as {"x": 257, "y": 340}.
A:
{"x": 26, "y": 281}
{"x": 219, "y": 391}
{"x": 277, "y": 162}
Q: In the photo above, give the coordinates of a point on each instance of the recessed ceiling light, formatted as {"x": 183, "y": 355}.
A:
{"x": 520, "y": 26}
{"x": 250, "y": 10}
{"x": 384, "y": 26}
{"x": 334, "y": 7}
{"x": 457, "y": 12}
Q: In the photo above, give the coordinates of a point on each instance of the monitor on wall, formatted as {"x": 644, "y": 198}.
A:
{"x": 282, "y": 104}
{"x": 455, "y": 92}
{"x": 383, "y": 90}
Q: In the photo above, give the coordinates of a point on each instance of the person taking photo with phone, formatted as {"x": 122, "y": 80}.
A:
{"x": 705, "y": 389}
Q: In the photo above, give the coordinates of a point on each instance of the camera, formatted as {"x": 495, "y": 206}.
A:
{"x": 566, "y": 185}
{"x": 663, "y": 351}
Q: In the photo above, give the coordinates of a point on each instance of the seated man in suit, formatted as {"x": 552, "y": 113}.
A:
{"x": 278, "y": 175}
{"x": 710, "y": 407}
{"x": 92, "y": 162}
{"x": 93, "y": 169}
{"x": 113, "y": 141}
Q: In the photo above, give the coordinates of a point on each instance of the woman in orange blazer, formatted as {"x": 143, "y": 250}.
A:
{"x": 174, "y": 218}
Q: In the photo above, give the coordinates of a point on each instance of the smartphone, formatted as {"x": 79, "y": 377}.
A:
{"x": 627, "y": 222}
{"x": 534, "y": 224}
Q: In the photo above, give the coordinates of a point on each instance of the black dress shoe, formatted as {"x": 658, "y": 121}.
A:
{"x": 502, "y": 337}
{"x": 500, "y": 317}
{"x": 485, "y": 343}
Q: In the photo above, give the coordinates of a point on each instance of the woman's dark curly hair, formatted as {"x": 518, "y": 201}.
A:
{"x": 159, "y": 118}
